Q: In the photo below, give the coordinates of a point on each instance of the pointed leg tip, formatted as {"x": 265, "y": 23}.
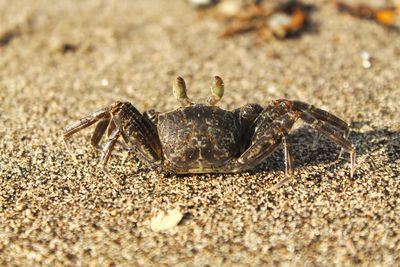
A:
{"x": 97, "y": 147}
{"x": 340, "y": 154}
{"x": 72, "y": 155}
{"x": 107, "y": 173}
{"x": 74, "y": 159}
{"x": 279, "y": 184}
{"x": 353, "y": 163}
{"x": 352, "y": 172}
{"x": 112, "y": 179}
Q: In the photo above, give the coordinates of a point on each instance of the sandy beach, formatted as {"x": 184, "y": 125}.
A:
{"x": 60, "y": 60}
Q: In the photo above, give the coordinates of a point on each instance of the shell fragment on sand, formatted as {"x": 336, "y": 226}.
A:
{"x": 162, "y": 221}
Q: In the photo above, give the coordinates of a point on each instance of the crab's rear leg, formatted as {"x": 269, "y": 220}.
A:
{"x": 328, "y": 125}
{"x": 326, "y": 129}
{"x": 322, "y": 115}
{"x": 325, "y": 116}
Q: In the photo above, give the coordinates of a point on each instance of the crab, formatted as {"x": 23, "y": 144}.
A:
{"x": 203, "y": 138}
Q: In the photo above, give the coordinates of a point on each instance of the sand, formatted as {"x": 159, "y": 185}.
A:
{"x": 60, "y": 60}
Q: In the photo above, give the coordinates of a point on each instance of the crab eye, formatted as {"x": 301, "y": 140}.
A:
{"x": 179, "y": 88}
{"x": 217, "y": 90}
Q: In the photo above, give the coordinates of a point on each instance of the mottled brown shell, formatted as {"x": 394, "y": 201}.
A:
{"x": 199, "y": 137}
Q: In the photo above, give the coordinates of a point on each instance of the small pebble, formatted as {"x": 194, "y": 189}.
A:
{"x": 366, "y": 64}
{"x": 365, "y": 55}
{"x": 366, "y": 60}
{"x": 229, "y": 8}
{"x": 164, "y": 221}
{"x": 201, "y": 3}
{"x": 104, "y": 82}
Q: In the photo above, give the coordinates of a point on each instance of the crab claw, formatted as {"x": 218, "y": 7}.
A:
{"x": 179, "y": 90}
{"x": 217, "y": 91}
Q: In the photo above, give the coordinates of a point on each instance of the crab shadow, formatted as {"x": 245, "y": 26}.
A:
{"x": 326, "y": 152}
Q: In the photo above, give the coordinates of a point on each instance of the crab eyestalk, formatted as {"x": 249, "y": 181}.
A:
{"x": 217, "y": 91}
{"x": 180, "y": 93}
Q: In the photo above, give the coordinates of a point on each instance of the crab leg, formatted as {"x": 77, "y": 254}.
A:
{"x": 265, "y": 117}
{"x": 323, "y": 128}
{"x": 323, "y": 122}
{"x": 321, "y": 115}
{"x": 99, "y": 131}
{"x": 120, "y": 119}
{"x": 289, "y": 162}
{"x": 272, "y": 125}
{"x": 139, "y": 133}
{"x": 84, "y": 123}
{"x": 330, "y": 120}
{"x": 108, "y": 147}
{"x": 266, "y": 138}
{"x": 288, "y": 165}
{"x": 110, "y": 130}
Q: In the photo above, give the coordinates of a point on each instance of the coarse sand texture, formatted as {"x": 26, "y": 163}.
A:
{"x": 60, "y": 60}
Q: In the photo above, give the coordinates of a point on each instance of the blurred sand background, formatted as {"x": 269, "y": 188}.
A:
{"x": 60, "y": 60}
